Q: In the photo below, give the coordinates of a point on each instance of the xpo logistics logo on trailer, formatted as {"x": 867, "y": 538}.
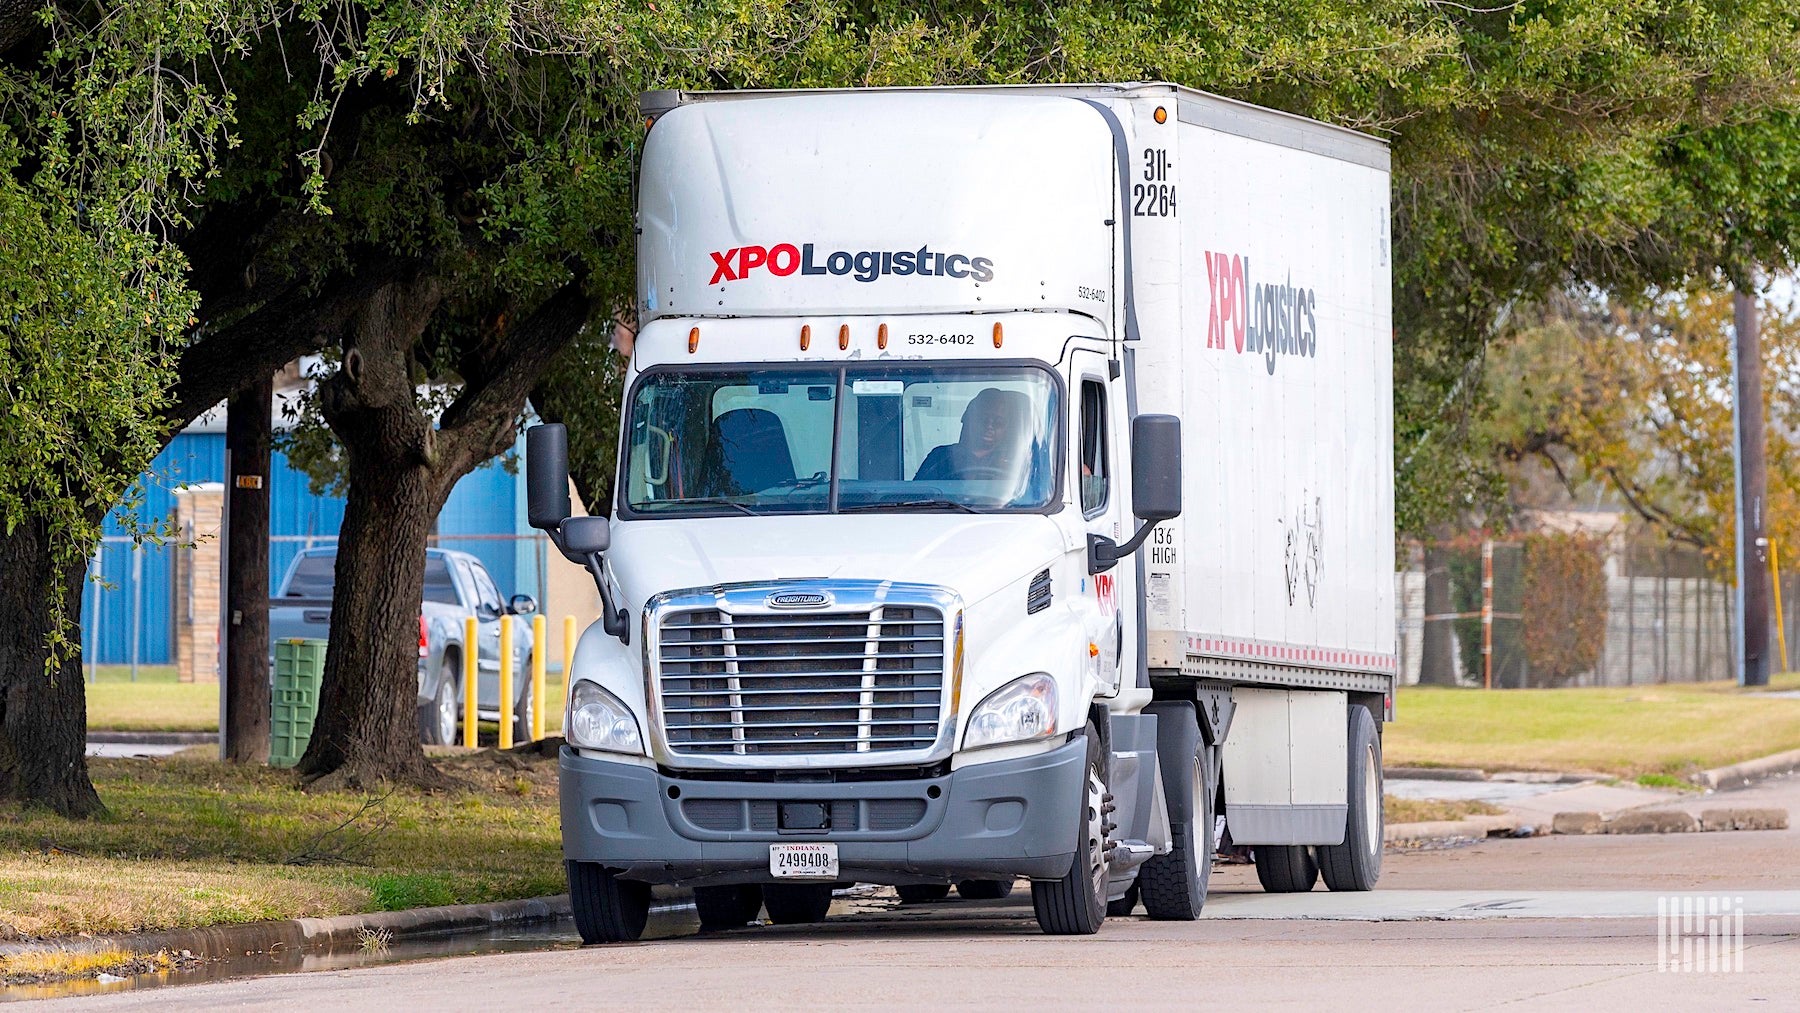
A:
{"x": 1268, "y": 320}
{"x": 784, "y": 259}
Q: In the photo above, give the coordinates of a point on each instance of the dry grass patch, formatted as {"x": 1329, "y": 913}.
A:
{"x": 41, "y": 967}
{"x": 1673, "y": 729}
{"x": 192, "y": 841}
{"x": 1430, "y": 810}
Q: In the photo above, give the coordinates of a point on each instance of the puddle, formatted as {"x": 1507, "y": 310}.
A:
{"x": 666, "y": 921}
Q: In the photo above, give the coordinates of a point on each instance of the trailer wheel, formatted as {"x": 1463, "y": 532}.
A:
{"x": 607, "y": 909}
{"x": 1075, "y": 905}
{"x": 1285, "y": 868}
{"x": 727, "y": 907}
{"x": 797, "y": 903}
{"x": 1356, "y": 863}
{"x": 985, "y": 889}
{"x": 922, "y": 893}
{"x": 1173, "y": 886}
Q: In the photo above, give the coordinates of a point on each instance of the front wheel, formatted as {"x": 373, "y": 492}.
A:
{"x": 1356, "y": 863}
{"x": 607, "y": 909}
{"x": 1075, "y": 905}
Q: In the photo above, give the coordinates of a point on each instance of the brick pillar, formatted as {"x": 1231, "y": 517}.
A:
{"x": 199, "y": 511}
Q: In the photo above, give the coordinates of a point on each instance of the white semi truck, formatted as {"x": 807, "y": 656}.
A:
{"x": 1005, "y": 490}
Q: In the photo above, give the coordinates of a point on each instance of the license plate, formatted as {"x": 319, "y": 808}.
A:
{"x": 803, "y": 861}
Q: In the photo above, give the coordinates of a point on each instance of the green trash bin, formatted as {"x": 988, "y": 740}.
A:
{"x": 299, "y": 667}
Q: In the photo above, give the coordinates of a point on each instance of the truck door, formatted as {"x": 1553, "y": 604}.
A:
{"x": 1100, "y": 495}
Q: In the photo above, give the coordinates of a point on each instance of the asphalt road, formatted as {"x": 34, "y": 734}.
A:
{"x": 1552, "y": 921}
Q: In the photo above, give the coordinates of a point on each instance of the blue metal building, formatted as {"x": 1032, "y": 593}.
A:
{"x": 485, "y": 515}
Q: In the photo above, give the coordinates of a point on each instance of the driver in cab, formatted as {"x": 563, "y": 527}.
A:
{"x": 995, "y": 445}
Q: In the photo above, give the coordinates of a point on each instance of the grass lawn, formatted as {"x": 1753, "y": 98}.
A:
{"x": 192, "y": 841}
{"x": 157, "y": 703}
{"x": 1631, "y": 732}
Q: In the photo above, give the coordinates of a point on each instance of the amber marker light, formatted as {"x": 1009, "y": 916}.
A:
{"x": 1161, "y": 114}
{"x": 805, "y": 337}
{"x": 843, "y": 337}
{"x": 881, "y": 336}
{"x": 693, "y": 341}
{"x": 998, "y": 336}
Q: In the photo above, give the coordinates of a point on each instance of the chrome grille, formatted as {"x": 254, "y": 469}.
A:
{"x": 823, "y": 682}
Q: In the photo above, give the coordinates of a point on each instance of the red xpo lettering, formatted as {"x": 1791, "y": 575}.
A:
{"x": 722, "y": 261}
{"x": 1225, "y": 279}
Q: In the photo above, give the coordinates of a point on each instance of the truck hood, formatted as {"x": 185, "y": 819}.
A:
{"x": 972, "y": 556}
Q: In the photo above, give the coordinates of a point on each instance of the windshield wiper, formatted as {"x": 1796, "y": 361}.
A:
{"x": 711, "y": 501}
{"x": 909, "y": 504}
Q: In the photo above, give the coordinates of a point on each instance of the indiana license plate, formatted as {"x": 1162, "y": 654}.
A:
{"x": 803, "y": 861}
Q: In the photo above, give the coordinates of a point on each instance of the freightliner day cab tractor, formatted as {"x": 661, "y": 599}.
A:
{"x": 1005, "y": 490}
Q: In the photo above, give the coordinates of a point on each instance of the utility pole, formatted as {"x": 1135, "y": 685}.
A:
{"x": 245, "y": 692}
{"x": 1752, "y": 540}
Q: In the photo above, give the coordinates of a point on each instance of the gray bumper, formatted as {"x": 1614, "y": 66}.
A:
{"x": 993, "y": 820}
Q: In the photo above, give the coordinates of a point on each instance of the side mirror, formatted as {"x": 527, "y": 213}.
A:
{"x": 521, "y": 605}
{"x": 586, "y": 536}
{"x": 1156, "y": 467}
{"x": 547, "y": 476}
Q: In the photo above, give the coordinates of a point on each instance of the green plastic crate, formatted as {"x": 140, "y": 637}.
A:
{"x": 299, "y": 667}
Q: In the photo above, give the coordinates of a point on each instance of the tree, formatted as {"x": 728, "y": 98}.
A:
{"x": 1633, "y": 399}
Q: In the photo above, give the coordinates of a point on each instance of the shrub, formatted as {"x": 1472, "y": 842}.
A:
{"x": 1564, "y": 606}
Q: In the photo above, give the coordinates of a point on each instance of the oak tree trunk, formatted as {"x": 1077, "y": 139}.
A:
{"x": 247, "y": 438}
{"x": 367, "y": 731}
{"x": 43, "y": 710}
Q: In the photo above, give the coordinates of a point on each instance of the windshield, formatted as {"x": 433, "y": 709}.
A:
{"x": 849, "y": 439}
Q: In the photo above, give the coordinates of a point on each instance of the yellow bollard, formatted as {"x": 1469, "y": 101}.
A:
{"x": 538, "y": 643}
{"x": 471, "y": 659}
{"x": 568, "y": 658}
{"x": 506, "y": 683}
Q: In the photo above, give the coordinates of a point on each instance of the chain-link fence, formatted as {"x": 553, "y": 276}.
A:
{"x": 1569, "y": 610}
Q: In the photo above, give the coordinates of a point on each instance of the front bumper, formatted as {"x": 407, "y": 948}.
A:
{"x": 989, "y": 821}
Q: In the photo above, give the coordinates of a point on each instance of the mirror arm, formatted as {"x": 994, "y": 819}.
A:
{"x": 1104, "y": 553}
{"x": 615, "y": 621}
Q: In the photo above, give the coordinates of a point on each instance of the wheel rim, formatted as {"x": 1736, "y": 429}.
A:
{"x": 446, "y": 713}
{"x": 1371, "y": 801}
{"x": 1199, "y": 813}
{"x": 1096, "y": 834}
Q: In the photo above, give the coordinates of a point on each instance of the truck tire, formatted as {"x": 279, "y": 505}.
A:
{"x": 1356, "y": 863}
{"x": 522, "y": 710}
{"x": 1075, "y": 905}
{"x": 985, "y": 889}
{"x": 607, "y": 909}
{"x": 922, "y": 893}
{"x": 1285, "y": 868}
{"x": 727, "y": 907}
{"x": 1173, "y": 886}
{"x": 437, "y": 719}
{"x": 797, "y": 903}
{"x": 1126, "y": 905}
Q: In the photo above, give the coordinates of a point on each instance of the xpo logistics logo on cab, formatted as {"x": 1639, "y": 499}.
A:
{"x": 784, "y": 259}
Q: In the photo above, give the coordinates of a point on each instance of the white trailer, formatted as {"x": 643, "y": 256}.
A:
{"x": 1005, "y": 491}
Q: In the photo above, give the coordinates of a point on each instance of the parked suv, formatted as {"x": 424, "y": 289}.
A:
{"x": 457, "y": 586}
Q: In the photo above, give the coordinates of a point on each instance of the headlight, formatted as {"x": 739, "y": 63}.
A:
{"x": 597, "y": 720}
{"x": 1021, "y": 709}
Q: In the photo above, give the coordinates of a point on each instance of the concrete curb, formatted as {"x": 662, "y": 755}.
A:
{"x": 1669, "y": 821}
{"x": 1469, "y": 827}
{"x": 152, "y": 738}
{"x": 307, "y": 933}
{"x": 1737, "y": 775}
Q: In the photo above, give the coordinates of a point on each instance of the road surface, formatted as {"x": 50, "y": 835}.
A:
{"x": 1564, "y": 922}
